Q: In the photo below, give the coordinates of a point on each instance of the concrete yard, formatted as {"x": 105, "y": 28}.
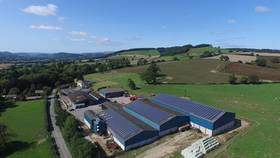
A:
{"x": 165, "y": 146}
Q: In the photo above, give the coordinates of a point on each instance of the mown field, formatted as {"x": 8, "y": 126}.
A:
{"x": 260, "y": 104}
{"x": 190, "y": 72}
{"x": 26, "y": 121}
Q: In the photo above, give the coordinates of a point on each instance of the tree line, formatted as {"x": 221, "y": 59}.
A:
{"x": 25, "y": 79}
{"x": 79, "y": 147}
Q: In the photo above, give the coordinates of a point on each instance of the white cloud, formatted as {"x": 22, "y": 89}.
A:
{"x": 101, "y": 40}
{"x": 78, "y": 33}
{"x": 77, "y": 39}
{"x": 47, "y": 10}
{"x": 61, "y": 19}
{"x": 46, "y": 27}
{"x": 231, "y": 21}
{"x": 262, "y": 9}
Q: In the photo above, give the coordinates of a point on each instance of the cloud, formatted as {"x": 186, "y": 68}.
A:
{"x": 77, "y": 39}
{"x": 47, "y": 10}
{"x": 46, "y": 27}
{"x": 231, "y": 21}
{"x": 61, "y": 19}
{"x": 78, "y": 33}
{"x": 262, "y": 9}
{"x": 101, "y": 40}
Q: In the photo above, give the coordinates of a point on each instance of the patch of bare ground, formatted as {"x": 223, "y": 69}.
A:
{"x": 236, "y": 58}
{"x": 265, "y": 73}
{"x": 177, "y": 142}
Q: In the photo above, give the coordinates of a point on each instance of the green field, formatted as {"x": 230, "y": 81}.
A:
{"x": 27, "y": 122}
{"x": 152, "y": 52}
{"x": 199, "y": 71}
{"x": 260, "y": 104}
{"x": 196, "y": 52}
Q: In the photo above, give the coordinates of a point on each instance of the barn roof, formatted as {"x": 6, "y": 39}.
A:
{"x": 188, "y": 107}
{"x": 150, "y": 112}
{"x": 125, "y": 125}
{"x": 111, "y": 90}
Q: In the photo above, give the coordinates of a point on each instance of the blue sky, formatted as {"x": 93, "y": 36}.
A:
{"x": 106, "y": 25}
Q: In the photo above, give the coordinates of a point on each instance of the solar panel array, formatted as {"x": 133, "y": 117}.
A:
{"x": 123, "y": 127}
{"x": 188, "y": 107}
{"x": 151, "y": 113}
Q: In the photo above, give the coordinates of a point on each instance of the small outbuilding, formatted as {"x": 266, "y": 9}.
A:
{"x": 111, "y": 92}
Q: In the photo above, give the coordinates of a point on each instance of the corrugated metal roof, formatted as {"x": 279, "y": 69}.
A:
{"x": 151, "y": 113}
{"x": 111, "y": 90}
{"x": 188, "y": 107}
{"x": 121, "y": 122}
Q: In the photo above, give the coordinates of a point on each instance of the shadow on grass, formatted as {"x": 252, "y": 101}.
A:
{"x": 13, "y": 147}
{"x": 6, "y": 105}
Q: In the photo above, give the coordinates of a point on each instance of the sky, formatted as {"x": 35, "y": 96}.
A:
{"x": 77, "y": 26}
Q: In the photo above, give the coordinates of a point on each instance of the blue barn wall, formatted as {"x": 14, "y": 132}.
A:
{"x": 141, "y": 137}
{"x": 177, "y": 121}
{"x": 202, "y": 122}
{"x": 225, "y": 119}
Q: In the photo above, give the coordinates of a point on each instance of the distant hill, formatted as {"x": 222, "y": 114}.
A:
{"x": 162, "y": 51}
{"x": 7, "y": 57}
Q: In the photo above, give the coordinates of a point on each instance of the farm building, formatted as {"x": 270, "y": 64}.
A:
{"x": 111, "y": 92}
{"x": 95, "y": 123}
{"x": 79, "y": 99}
{"x": 127, "y": 131}
{"x": 164, "y": 120}
{"x": 208, "y": 119}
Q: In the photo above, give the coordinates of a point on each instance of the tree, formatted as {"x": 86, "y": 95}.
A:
{"x": 142, "y": 61}
{"x": 175, "y": 58}
{"x": 232, "y": 79}
{"x": 151, "y": 74}
{"x": 224, "y": 58}
{"x": 131, "y": 84}
{"x": 254, "y": 79}
{"x": 261, "y": 62}
{"x": 4, "y": 137}
{"x": 14, "y": 91}
{"x": 70, "y": 128}
{"x": 244, "y": 80}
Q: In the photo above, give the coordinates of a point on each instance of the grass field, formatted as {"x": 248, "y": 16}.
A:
{"x": 26, "y": 122}
{"x": 260, "y": 104}
{"x": 151, "y": 52}
{"x": 190, "y": 72}
{"x": 196, "y": 52}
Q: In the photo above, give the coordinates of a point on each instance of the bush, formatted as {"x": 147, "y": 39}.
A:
{"x": 261, "y": 62}
{"x": 275, "y": 60}
{"x": 244, "y": 80}
{"x": 131, "y": 84}
{"x": 175, "y": 58}
{"x": 254, "y": 79}
{"x": 232, "y": 79}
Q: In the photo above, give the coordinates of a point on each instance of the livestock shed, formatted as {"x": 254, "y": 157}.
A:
{"x": 127, "y": 131}
{"x": 95, "y": 123}
{"x": 79, "y": 99}
{"x": 208, "y": 119}
{"x": 164, "y": 120}
{"x": 111, "y": 92}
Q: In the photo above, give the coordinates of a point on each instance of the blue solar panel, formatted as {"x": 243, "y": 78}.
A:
{"x": 151, "y": 113}
{"x": 123, "y": 127}
{"x": 188, "y": 107}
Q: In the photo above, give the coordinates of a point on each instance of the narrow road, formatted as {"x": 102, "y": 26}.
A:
{"x": 56, "y": 133}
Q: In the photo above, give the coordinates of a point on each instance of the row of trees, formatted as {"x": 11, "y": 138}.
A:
{"x": 252, "y": 79}
{"x": 79, "y": 147}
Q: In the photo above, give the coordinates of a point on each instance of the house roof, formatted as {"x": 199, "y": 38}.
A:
{"x": 111, "y": 90}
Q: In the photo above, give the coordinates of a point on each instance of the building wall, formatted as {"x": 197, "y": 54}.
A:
{"x": 225, "y": 119}
{"x": 175, "y": 122}
{"x": 142, "y": 118}
{"x": 202, "y": 122}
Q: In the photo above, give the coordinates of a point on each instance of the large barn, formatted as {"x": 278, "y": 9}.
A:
{"x": 127, "y": 131}
{"x": 164, "y": 120}
{"x": 208, "y": 119}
